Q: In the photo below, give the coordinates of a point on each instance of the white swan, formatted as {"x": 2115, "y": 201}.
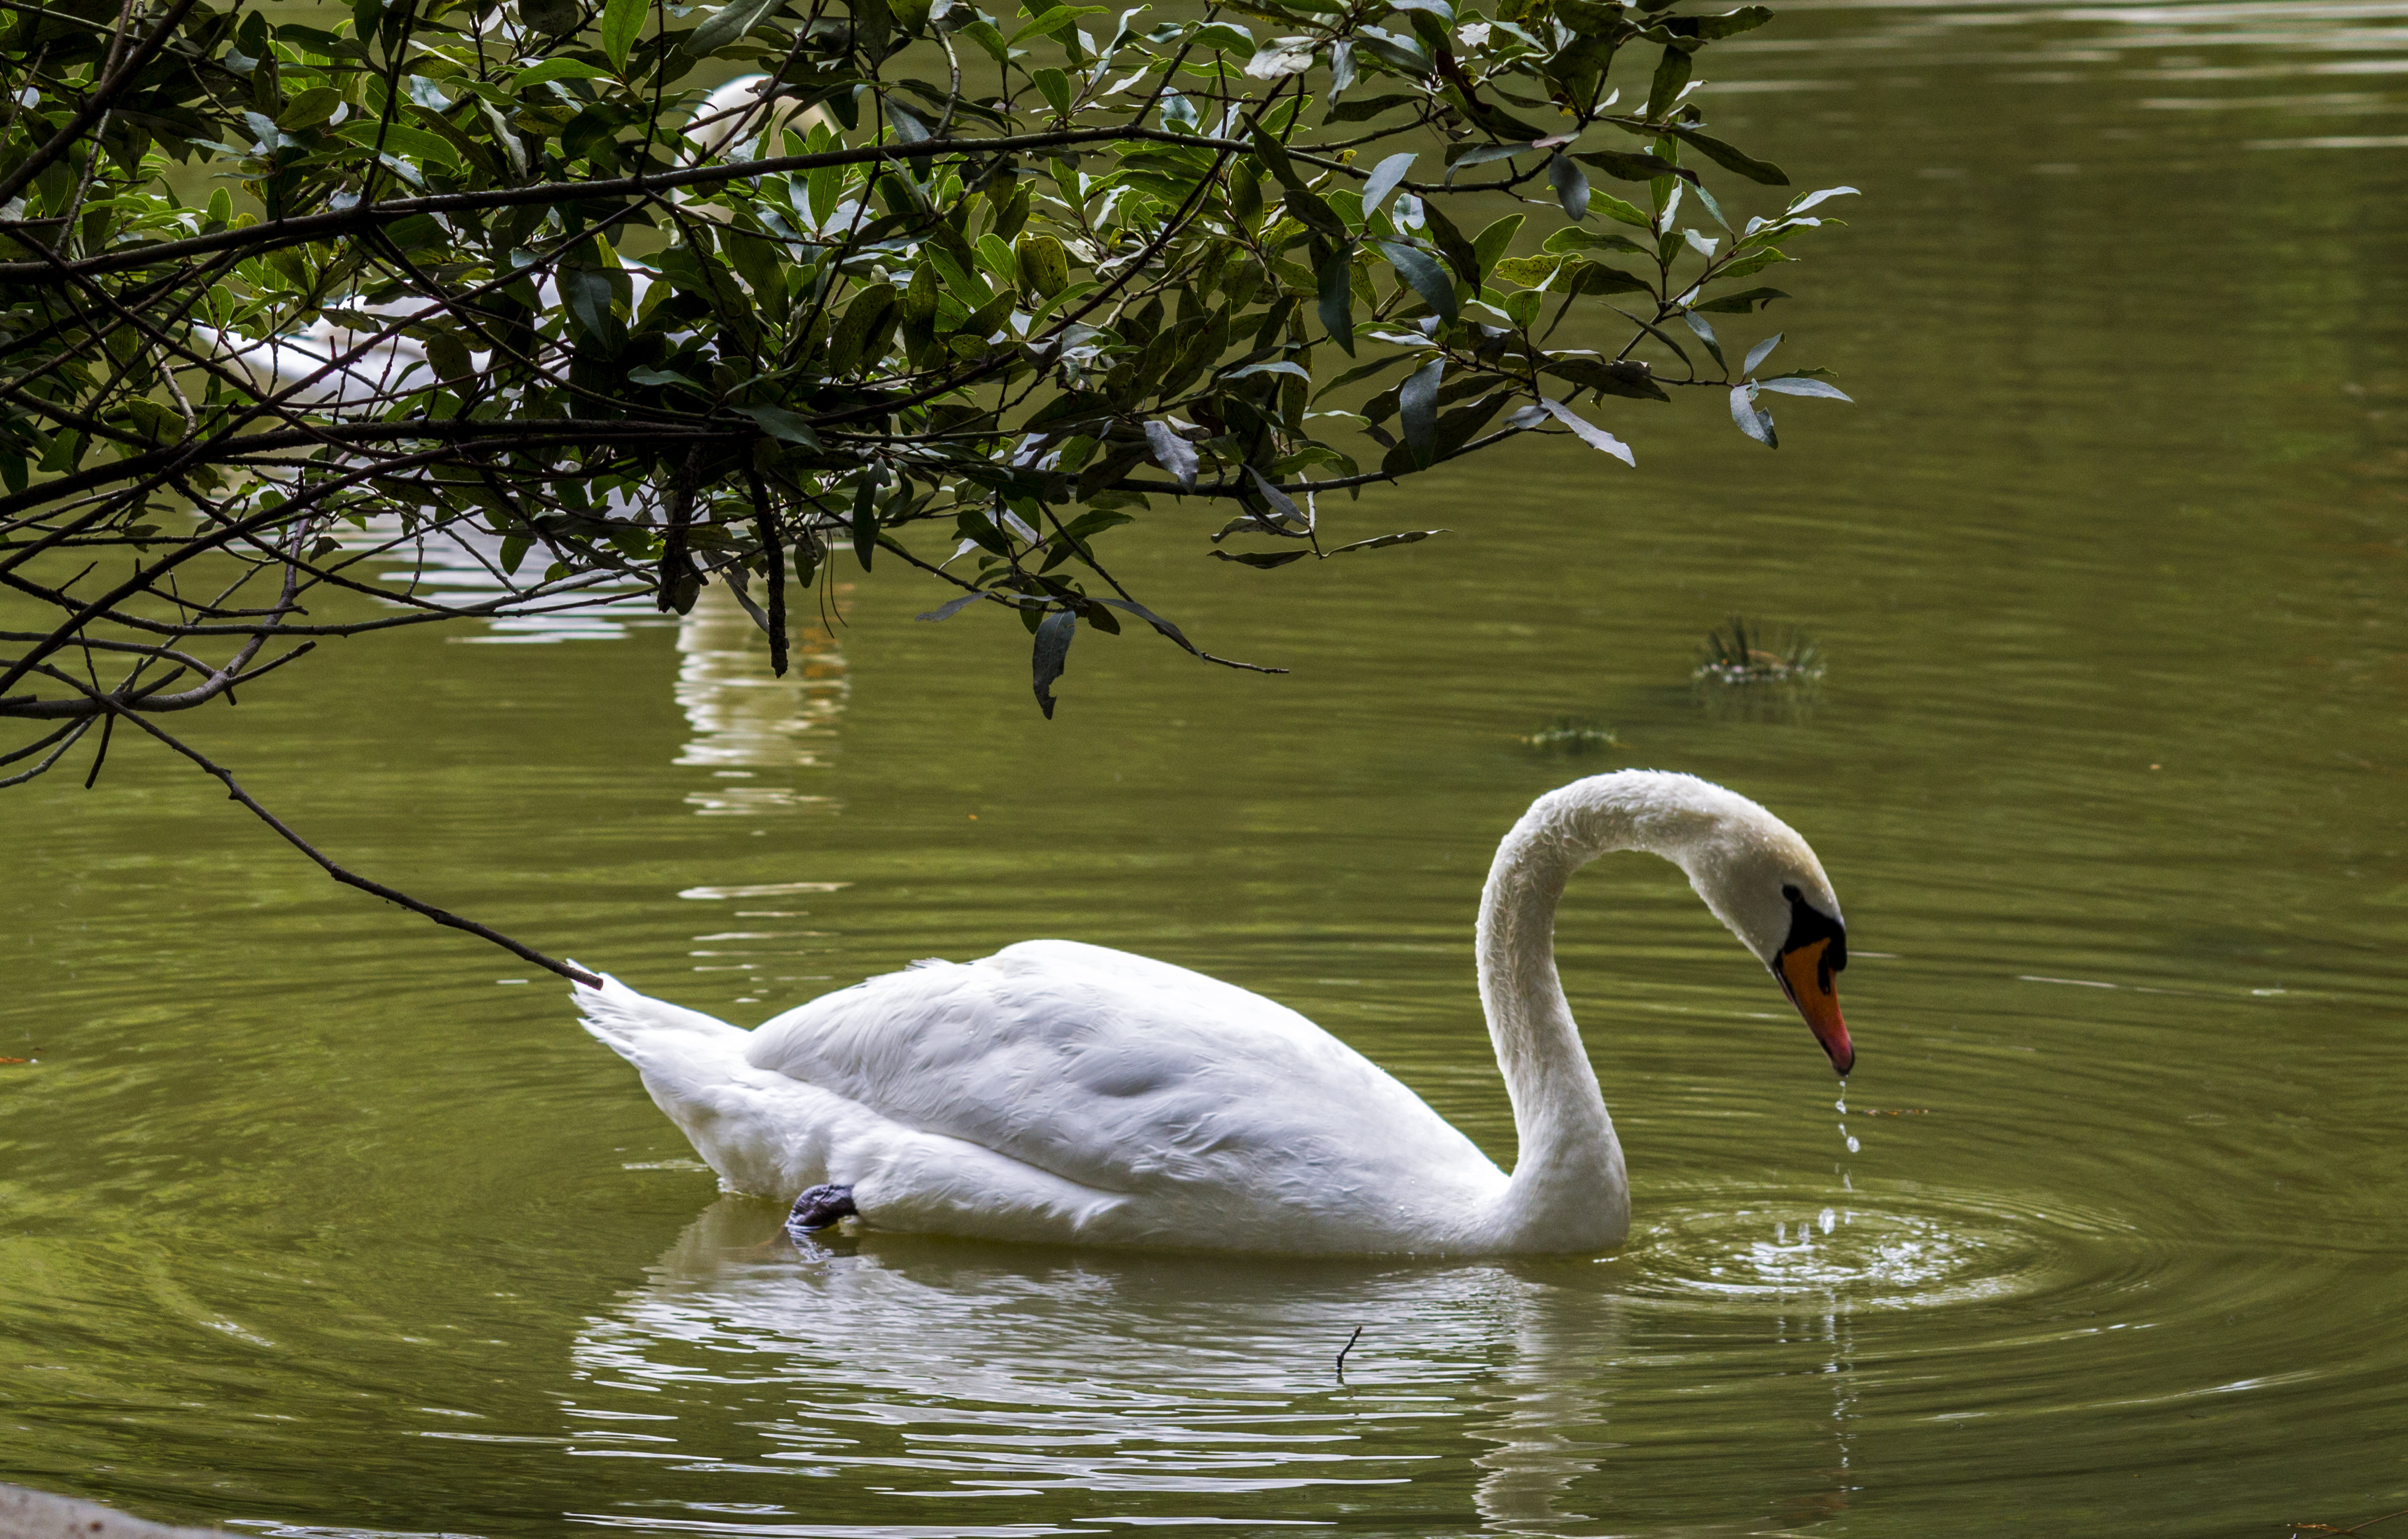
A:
{"x": 1065, "y": 1093}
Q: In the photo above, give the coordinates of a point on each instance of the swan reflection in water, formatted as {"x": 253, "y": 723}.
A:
{"x": 943, "y": 1386}
{"x": 740, "y": 716}
{"x": 743, "y": 718}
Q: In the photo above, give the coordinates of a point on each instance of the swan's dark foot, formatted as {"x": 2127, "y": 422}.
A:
{"x": 820, "y": 1208}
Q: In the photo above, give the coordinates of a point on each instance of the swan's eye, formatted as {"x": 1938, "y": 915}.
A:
{"x": 1809, "y": 924}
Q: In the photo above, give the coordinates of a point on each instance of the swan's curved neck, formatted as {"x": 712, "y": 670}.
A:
{"x": 1568, "y": 1180}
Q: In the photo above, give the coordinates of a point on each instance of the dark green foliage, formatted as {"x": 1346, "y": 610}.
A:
{"x": 963, "y": 288}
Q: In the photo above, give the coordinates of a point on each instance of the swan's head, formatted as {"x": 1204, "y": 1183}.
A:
{"x": 1763, "y": 881}
{"x": 1752, "y": 869}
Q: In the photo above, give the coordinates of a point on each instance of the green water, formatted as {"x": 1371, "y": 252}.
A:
{"x": 316, "y": 1220}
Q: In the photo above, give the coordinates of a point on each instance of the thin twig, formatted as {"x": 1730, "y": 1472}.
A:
{"x": 442, "y": 917}
{"x": 1343, "y": 1350}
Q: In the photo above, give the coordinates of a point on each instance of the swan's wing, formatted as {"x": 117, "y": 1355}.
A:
{"x": 1123, "y": 1073}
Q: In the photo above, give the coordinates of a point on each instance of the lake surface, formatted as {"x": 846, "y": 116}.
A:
{"x": 317, "y": 1220}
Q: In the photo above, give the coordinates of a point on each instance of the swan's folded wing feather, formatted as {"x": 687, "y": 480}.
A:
{"x": 1121, "y": 1072}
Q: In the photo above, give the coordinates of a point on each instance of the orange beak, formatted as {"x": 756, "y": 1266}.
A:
{"x": 1806, "y": 978}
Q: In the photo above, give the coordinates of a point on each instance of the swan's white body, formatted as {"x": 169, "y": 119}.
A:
{"x": 1067, "y": 1092}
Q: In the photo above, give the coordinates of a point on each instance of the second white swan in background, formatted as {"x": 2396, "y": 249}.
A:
{"x": 1065, "y": 1093}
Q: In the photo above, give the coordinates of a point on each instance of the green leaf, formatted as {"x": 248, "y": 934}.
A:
{"x": 1589, "y": 432}
{"x": 1263, "y": 558}
{"x": 1367, "y": 106}
{"x": 556, "y": 69}
{"x": 778, "y": 422}
{"x": 1528, "y": 272}
{"x": 1313, "y": 214}
{"x": 1755, "y": 424}
{"x": 1222, "y": 37}
{"x": 1451, "y": 244}
{"x": 1335, "y": 307}
{"x": 1464, "y": 156}
{"x": 1573, "y": 239}
{"x": 984, "y": 33}
{"x": 1741, "y": 303}
{"x": 1283, "y": 507}
{"x": 1705, "y": 334}
{"x": 1493, "y": 242}
{"x": 1054, "y": 20}
{"x": 1417, "y": 400}
{"x": 1054, "y": 87}
{"x": 1731, "y": 158}
{"x": 1383, "y": 181}
{"x": 1572, "y": 187}
{"x": 947, "y": 611}
{"x": 1631, "y": 165}
{"x": 1626, "y": 378}
{"x": 310, "y": 108}
{"x": 734, "y": 20}
{"x": 1596, "y": 278}
{"x": 1791, "y": 384}
{"x": 1044, "y": 262}
{"x": 1050, "y": 652}
{"x": 1671, "y": 74}
{"x": 1363, "y": 370}
{"x": 1730, "y": 23}
{"x": 873, "y": 25}
{"x": 1381, "y": 542}
{"x": 864, "y": 520}
{"x": 622, "y": 22}
{"x": 1274, "y": 158}
{"x": 1755, "y": 262}
{"x": 1427, "y": 278}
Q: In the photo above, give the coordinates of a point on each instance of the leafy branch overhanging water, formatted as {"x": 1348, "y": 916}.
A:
{"x": 966, "y": 291}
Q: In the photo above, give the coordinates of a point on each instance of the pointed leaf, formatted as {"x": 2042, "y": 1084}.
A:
{"x": 1335, "y": 307}
{"x": 1280, "y": 503}
{"x": 1589, "y": 432}
{"x": 1055, "y": 19}
{"x": 865, "y": 521}
{"x": 1754, "y": 423}
{"x": 1810, "y": 199}
{"x": 1384, "y": 178}
{"x": 1422, "y": 271}
{"x": 947, "y": 611}
{"x": 1671, "y": 74}
{"x": 778, "y": 422}
{"x": 623, "y": 21}
{"x": 1383, "y": 541}
{"x": 1572, "y": 187}
{"x": 1629, "y": 165}
{"x": 1141, "y": 612}
{"x": 1417, "y": 399}
{"x": 1053, "y": 650}
{"x": 1758, "y": 353}
{"x": 1463, "y": 157}
{"x": 1172, "y": 452}
{"x": 1731, "y": 158}
{"x": 1792, "y": 385}
{"x": 1698, "y": 324}
{"x": 734, "y": 21}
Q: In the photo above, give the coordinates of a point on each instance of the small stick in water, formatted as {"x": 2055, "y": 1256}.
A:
{"x": 1343, "y": 1350}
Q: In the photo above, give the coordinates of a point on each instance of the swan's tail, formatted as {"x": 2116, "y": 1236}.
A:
{"x": 683, "y": 1054}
